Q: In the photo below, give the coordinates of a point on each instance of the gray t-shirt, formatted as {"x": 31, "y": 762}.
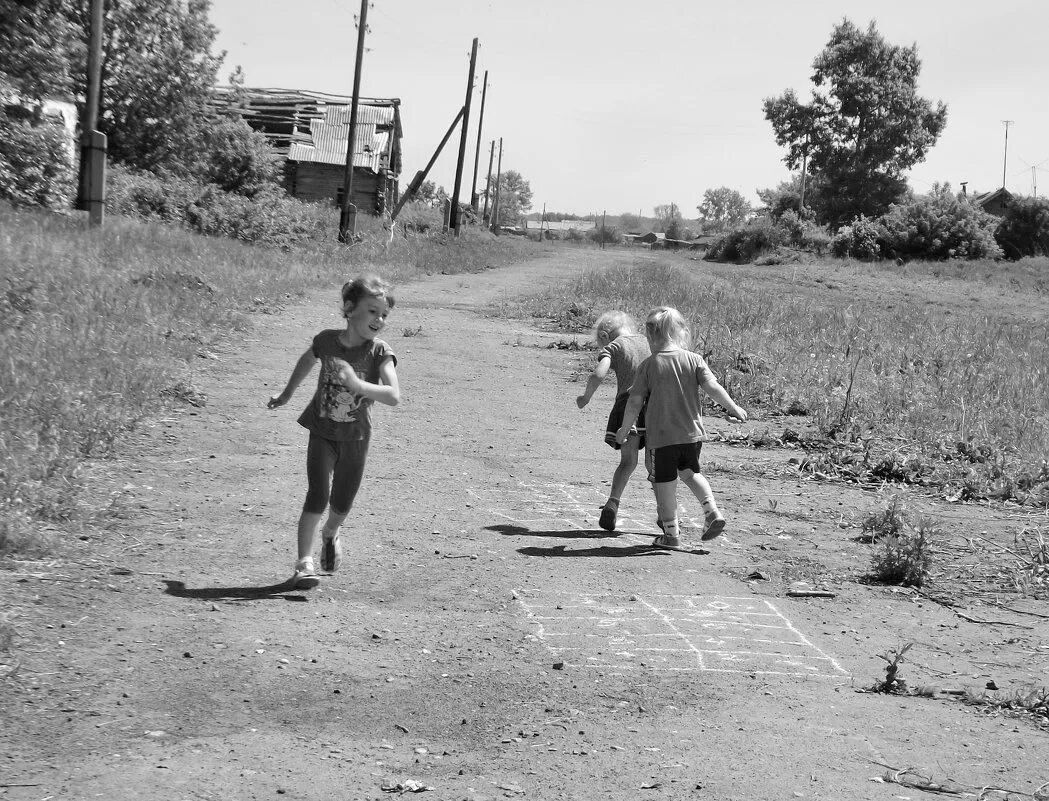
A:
{"x": 671, "y": 380}
{"x": 626, "y": 353}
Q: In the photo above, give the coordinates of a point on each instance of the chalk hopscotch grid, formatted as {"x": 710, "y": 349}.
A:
{"x": 541, "y": 506}
{"x": 675, "y": 633}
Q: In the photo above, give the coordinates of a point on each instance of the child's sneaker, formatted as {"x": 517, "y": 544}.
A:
{"x": 715, "y": 524}
{"x": 607, "y": 521}
{"x": 305, "y": 576}
{"x": 667, "y": 541}
{"x": 331, "y": 554}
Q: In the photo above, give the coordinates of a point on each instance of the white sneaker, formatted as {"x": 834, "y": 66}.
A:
{"x": 305, "y": 576}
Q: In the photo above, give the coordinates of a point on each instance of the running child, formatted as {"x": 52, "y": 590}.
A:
{"x": 667, "y": 385}
{"x": 357, "y": 369}
{"x": 622, "y": 350}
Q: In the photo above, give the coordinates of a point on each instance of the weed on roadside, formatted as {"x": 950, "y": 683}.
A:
{"x": 412, "y": 332}
{"x": 1031, "y": 576}
{"x": 1030, "y": 702}
{"x": 892, "y": 682}
{"x": 905, "y": 558}
{"x": 887, "y": 522}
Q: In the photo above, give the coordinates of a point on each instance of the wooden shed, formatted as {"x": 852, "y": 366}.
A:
{"x": 311, "y": 131}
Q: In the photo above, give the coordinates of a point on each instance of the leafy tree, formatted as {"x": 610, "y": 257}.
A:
{"x": 864, "y": 127}
{"x": 35, "y": 168}
{"x": 666, "y": 214}
{"x": 629, "y": 222}
{"x": 1024, "y": 230}
{"x": 515, "y": 197}
{"x": 430, "y": 194}
{"x": 238, "y": 159}
{"x": 783, "y": 198}
{"x": 157, "y": 76}
{"x": 39, "y": 46}
{"x": 723, "y": 208}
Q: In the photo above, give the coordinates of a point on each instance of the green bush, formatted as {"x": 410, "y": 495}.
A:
{"x": 743, "y": 245}
{"x": 271, "y": 217}
{"x": 802, "y": 233}
{"x": 906, "y": 558}
{"x": 860, "y": 239}
{"x": 35, "y": 164}
{"x": 238, "y": 159}
{"x": 1024, "y": 230}
{"x": 939, "y": 226}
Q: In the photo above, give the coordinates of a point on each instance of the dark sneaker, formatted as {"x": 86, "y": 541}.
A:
{"x": 667, "y": 541}
{"x": 607, "y": 521}
{"x": 331, "y": 554}
{"x": 715, "y": 525}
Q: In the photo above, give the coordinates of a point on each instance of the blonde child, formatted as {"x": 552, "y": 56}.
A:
{"x": 667, "y": 385}
{"x": 622, "y": 351}
{"x": 357, "y": 369}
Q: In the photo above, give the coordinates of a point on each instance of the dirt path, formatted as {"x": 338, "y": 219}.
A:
{"x": 485, "y": 638}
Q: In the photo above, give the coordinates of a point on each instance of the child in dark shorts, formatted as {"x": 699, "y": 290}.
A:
{"x": 622, "y": 350}
{"x": 668, "y": 386}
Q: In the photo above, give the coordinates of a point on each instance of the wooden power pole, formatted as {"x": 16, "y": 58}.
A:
{"x": 498, "y": 181}
{"x": 348, "y": 211}
{"x": 93, "y": 145}
{"x": 453, "y": 216}
{"x": 488, "y": 184}
{"x": 477, "y": 151}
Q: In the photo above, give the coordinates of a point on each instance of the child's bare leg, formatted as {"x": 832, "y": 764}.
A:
{"x": 331, "y": 547}
{"x": 666, "y": 507}
{"x": 625, "y": 469}
{"x": 713, "y": 519}
{"x": 309, "y": 522}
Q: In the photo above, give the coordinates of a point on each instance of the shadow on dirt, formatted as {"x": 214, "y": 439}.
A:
{"x": 284, "y": 591}
{"x": 604, "y": 550}
{"x": 510, "y": 530}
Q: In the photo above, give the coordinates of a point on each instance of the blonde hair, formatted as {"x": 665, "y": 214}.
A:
{"x": 665, "y": 324}
{"x": 612, "y": 321}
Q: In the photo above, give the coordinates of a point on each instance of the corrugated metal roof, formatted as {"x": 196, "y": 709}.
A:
{"x": 326, "y": 143}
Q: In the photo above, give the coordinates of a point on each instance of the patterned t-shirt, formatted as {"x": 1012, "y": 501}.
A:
{"x": 334, "y": 412}
{"x": 671, "y": 380}
{"x": 626, "y": 353}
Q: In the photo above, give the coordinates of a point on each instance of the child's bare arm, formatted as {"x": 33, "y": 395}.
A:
{"x": 388, "y": 391}
{"x": 630, "y": 413}
{"x": 720, "y": 396}
{"x": 299, "y": 372}
{"x": 594, "y": 381}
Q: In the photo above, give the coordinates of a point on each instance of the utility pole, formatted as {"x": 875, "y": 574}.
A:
{"x": 542, "y": 219}
{"x": 453, "y": 216}
{"x": 477, "y": 152}
{"x": 93, "y": 145}
{"x": 488, "y": 184}
{"x": 1005, "y": 161}
{"x": 348, "y": 212}
{"x": 498, "y": 182}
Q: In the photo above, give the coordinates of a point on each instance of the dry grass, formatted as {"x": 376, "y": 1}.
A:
{"x": 99, "y": 327}
{"x": 907, "y": 391}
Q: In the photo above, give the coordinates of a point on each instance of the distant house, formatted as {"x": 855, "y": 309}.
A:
{"x": 311, "y": 131}
{"x": 993, "y": 202}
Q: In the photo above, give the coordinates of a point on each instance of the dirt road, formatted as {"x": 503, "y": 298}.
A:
{"x": 484, "y": 638}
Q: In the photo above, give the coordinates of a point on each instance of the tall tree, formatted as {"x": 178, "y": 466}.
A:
{"x": 723, "y": 208}
{"x": 864, "y": 127}
{"x": 39, "y": 47}
{"x": 515, "y": 197}
{"x": 666, "y": 214}
{"x": 157, "y": 76}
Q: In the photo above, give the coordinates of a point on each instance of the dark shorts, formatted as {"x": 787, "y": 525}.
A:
{"x": 670, "y": 459}
{"x": 615, "y": 420}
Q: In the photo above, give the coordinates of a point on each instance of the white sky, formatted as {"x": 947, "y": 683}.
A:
{"x": 610, "y": 105}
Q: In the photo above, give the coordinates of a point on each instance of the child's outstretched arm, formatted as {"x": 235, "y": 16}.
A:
{"x": 594, "y": 381}
{"x": 301, "y": 370}
{"x": 387, "y": 391}
{"x": 720, "y": 396}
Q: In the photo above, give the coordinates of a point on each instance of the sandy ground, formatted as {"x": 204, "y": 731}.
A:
{"x": 484, "y": 638}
